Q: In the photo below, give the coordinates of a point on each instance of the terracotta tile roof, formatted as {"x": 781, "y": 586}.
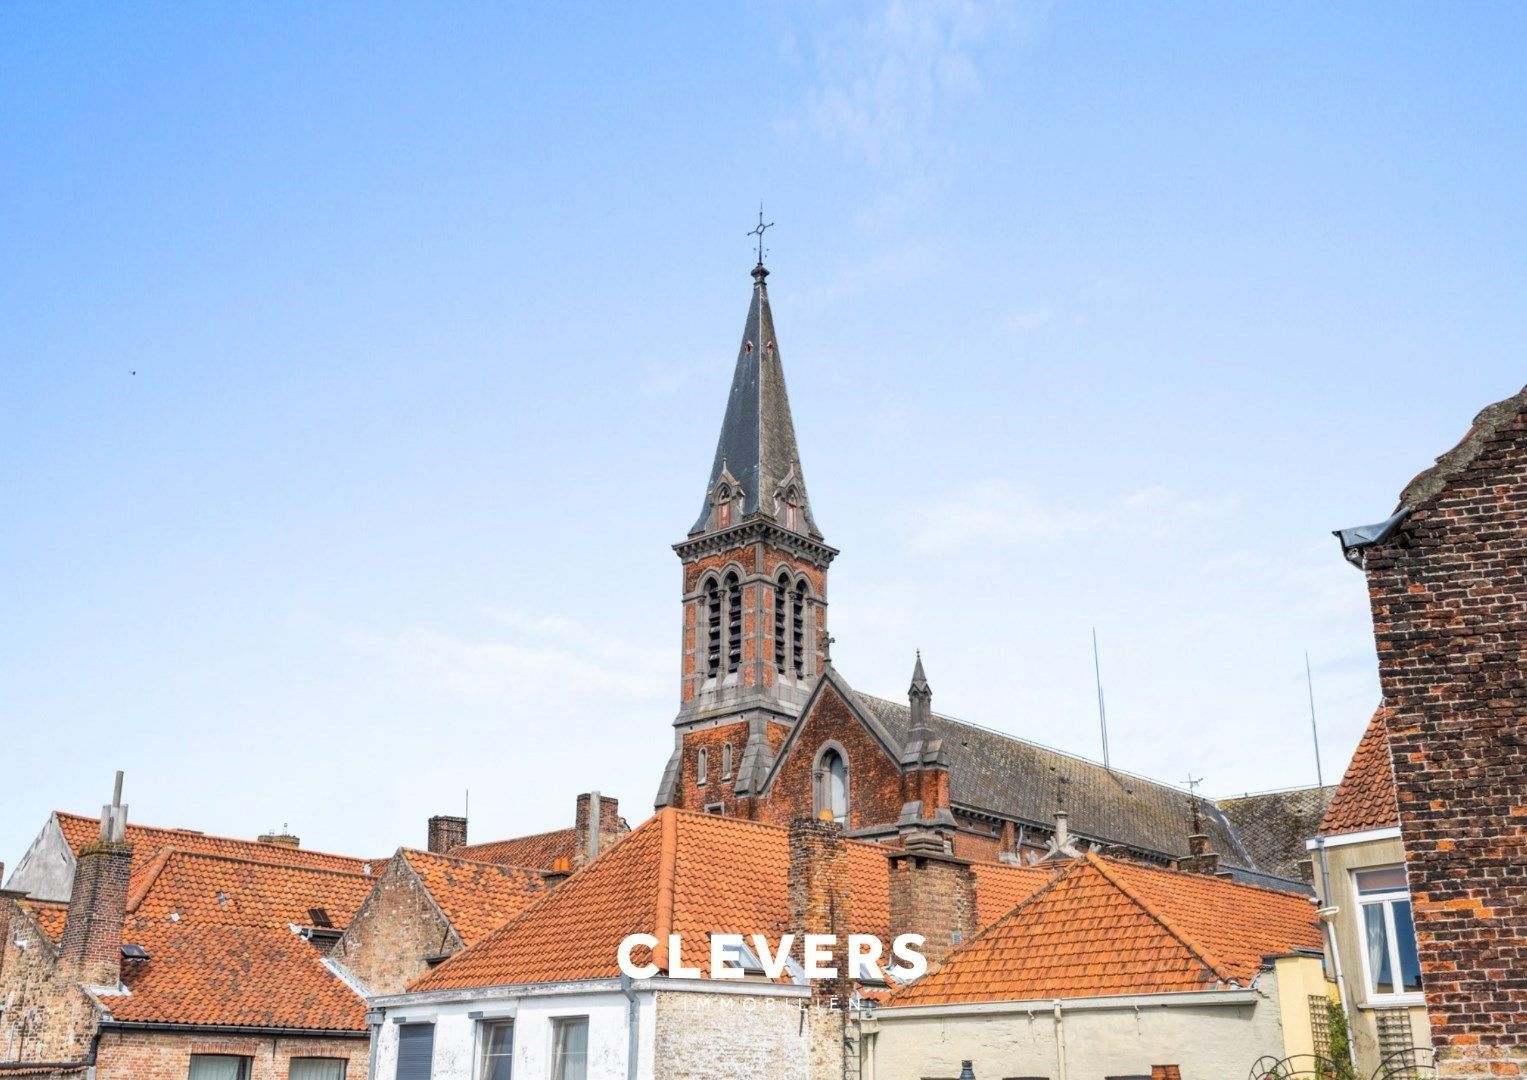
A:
{"x": 49, "y": 915}
{"x": 148, "y": 841}
{"x": 1106, "y": 927}
{"x": 252, "y": 976}
{"x": 218, "y": 932}
{"x": 1000, "y": 887}
{"x": 218, "y": 890}
{"x": 539, "y": 850}
{"x": 1365, "y": 799}
{"x": 476, "y": 898}
{"x": 692, "y": 873}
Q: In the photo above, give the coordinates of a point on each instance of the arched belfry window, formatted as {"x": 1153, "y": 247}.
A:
{"x": 782, "y": 622}
{"x": 832, "y": 784}
{"x": 712, "y": 628}
{"x": 733, "y": 622}
{"x": 798, "y": 629}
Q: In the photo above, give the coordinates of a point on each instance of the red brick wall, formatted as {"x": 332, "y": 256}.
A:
{"x": 92, "y": 941}
{"x": 1448, "y": 594}
{"x": 874, "y": 780}
{"x": 395, "y": 929}
{"x": 717, "y": 788}
{"x": 934, "y": 896}
{"x": 140, "y": 1055}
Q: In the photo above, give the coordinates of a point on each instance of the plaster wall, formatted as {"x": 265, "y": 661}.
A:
{"x": 1343, "y": 860}
{"x": 1208, "y": 1042}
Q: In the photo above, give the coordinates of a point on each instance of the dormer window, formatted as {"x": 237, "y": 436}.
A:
{"x": 724, "y": 499}
{"x": 790, "y": 510}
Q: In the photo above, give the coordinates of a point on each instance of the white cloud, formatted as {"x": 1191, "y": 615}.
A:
{"x": 540, "y": 661}
{"x": 996, "y": 510}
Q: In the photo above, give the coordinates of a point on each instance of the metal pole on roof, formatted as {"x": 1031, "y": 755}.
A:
{"x": 1309, "y": 682}
{"x": 1097, "y": 673}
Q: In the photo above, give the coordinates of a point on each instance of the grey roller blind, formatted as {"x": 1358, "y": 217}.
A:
{"x": 416, "y": 1049}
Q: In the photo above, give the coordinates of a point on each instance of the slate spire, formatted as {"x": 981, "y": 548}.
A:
{"x": 757, "y": 451}
{"x": 920, "y": 697}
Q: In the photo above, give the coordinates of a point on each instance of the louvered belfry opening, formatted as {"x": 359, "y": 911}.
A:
{"x": 713, "y": 621}
{"x": 733, "y": 623}
{"x": 798, "y": 630}
{"x": 781, "y": 621}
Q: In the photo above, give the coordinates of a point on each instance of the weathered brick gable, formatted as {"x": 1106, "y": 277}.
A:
{"x": 1449, "y": 597}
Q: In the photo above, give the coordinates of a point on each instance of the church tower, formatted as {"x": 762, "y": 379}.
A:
{"x": 754, "y": 591}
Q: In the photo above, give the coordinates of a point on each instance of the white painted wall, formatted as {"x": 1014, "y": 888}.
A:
{"x": 532, "y": 1012}
{"x": 46, "y": 871}
{"x": 1209, "y": 1042}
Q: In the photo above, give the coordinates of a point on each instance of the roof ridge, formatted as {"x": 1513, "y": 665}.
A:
{"x": 1034, "y": 743}
{"x": 1203, "y": 955}
{"x": 512, "y": 839}
{"x": 218, "y": 856}
{"x": 1216, "y": 879}
{"x": 667, "y": 875}
{"x": 136, "y": 894}
{"x": 408, "y": 851}
{"x": 767, "y": 826}
{"x": 182, "y": 831}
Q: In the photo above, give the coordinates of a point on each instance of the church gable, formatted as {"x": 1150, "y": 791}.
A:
{"x": 833, "y": 723}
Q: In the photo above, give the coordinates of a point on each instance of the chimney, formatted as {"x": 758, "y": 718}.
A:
{"x": 597, "y": 826}
{"x": 932, "y": 894}
{"x": 1201, "y": 859}
{"x": 284, "y": 838}
{"x": 446, "y": 832}
{"x": 559, "y": 872}
{"x": 821, "y": 903}
{"x": 91, "y": 947}
{"x": 1165, "y": 1072}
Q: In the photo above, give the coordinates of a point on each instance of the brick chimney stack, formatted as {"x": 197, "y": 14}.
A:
{"x": 1201, "y": 859}
{"x": 597, "y": 826}
{"x": 932, "y": 894}
{"x": 446, "y": 832}
{"x": 821, "y": 903}
{"x": 91, "y": 947}
{"x": 284, "y": 838}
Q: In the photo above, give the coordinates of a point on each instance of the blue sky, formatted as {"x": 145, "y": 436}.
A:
{"x": 361, "y": 362}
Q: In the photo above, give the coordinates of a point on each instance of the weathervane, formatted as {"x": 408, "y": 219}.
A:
{"x": 758, "y": 231}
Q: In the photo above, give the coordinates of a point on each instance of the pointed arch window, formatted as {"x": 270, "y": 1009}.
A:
{"x": 790, "y": 512}
{"x": 733, "y": 622}
{"x": 712, "y": 628}
{"x": 832, "y": 784}
{"x": 702, "y": 767}
{"x": 726, "y": 761}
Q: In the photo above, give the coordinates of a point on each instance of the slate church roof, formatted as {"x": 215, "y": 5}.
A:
{"x": 757, "y": 445}
{"x": 1027, "y": 782}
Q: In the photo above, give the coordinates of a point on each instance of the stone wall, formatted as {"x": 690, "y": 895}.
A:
{"x": 730, "y": 1037}
{"x": 396, "y": 928}
{"x": 46, "y": 1017}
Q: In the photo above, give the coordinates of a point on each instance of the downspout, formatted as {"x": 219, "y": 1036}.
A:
{"x": 373, "y": 1027}
{"x": 1060, "y": 1043}
{"x": 633, "y": 1029}
{"x": 1327, "y": 916}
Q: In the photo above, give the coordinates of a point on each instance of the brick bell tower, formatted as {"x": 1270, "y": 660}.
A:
{"x": 755, "y": 591}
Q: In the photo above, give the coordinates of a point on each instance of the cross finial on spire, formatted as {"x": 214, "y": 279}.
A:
{"x": 758, "y": 231}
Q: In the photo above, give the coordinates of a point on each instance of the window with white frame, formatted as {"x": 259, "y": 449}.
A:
{"x": 495, "y": 1059}
{"x": 570, "y": 1048}
{"x": 1391, "y": 968}
{"x": 219, "y": 1067}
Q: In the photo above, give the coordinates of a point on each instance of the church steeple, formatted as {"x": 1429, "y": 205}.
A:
{"x": 757, "y": 468}
{"x": 755, "y": 588}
